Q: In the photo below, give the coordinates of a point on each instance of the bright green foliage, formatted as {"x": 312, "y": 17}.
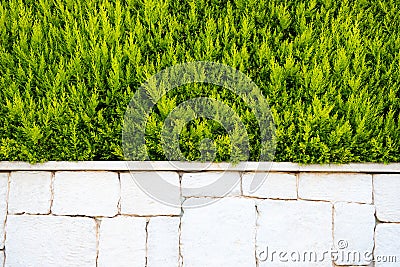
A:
{"x": 329, "y": 69}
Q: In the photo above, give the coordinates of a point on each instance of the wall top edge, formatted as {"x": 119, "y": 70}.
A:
{"x": 196, "y": 166}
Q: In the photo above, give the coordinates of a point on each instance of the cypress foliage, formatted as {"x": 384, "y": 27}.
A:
{"x": 329, "y": 69}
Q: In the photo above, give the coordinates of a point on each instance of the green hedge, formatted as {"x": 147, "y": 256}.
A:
{"x": 329, "y": 69}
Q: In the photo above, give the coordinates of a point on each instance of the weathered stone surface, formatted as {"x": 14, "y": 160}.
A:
{"x": 86, "y": 193}
{"x": 37, "y": 240}
{"x": 30, "y": 192}
{"x": 354, "y": 226}
{"x": 3, "y": 204}
{"x": 135, "y": 201}
{"x": 276, "y": 185}
{"x": 211, "y": 184}
{"x": 387, "y": 245}
{"x": 122, "y": 241}
{"x": 163, "y": 242}
{"x": 221, "y": 234}
{"x": 387, "y": 197}
{"x": 200, "y": 166}
{"x": 336, "y": 187}
{"x": 290, "y": 232}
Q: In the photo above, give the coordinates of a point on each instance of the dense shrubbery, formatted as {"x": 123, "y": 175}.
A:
{"x": 329, "y": 69}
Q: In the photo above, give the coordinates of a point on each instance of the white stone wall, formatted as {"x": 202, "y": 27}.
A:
{"x": 296, "y": 218}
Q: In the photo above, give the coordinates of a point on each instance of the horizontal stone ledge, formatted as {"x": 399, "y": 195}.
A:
{"x": 197, "y": 166}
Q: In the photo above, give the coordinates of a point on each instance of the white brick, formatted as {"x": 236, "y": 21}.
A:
{"x": 211, "y": 184}
{"x": 293, "y": 227}
{"x": 387, "y": 197}
{"x": 50, "y": 241}
{"x": 354, "y": 226}
{"x": 387, "y": 245}
{"x": 86, "y": 193}
{"x": 336, "y": 187}
{"x": 122, "y": 241}
{"x": 135, "y": 201}
{"x": 221, "y": 234}
{"x": 30, "y": 192}
{"x": 3, "y": 205}
{"x": 163, "y": 242}
{"x": 276, "y": 185}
